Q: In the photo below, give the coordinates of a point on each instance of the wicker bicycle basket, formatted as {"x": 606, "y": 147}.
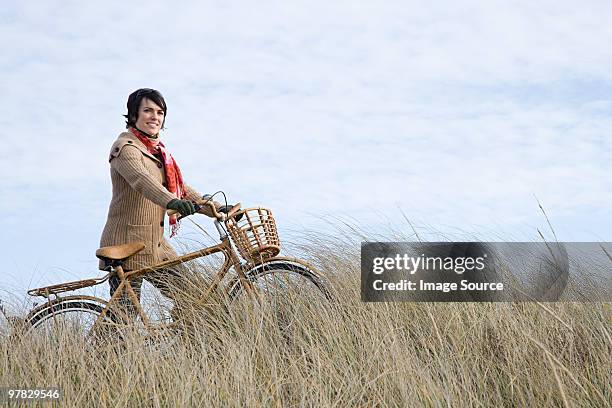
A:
{"x": 255, "y": 235}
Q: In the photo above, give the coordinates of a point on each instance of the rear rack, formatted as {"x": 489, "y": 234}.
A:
{"x": 66, "y": 287}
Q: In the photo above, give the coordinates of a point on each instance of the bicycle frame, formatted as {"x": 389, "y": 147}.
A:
{"x": 230, "y": 259}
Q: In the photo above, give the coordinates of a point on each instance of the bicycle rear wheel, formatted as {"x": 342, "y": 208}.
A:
{"x": 69, "y": 316}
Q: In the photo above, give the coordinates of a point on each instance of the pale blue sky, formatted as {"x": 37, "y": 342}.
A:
{"x": 456, "y": 113}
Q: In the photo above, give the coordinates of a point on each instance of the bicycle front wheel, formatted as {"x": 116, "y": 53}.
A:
{"x": 284, "y": 277}
{"x": 289, "y": 293}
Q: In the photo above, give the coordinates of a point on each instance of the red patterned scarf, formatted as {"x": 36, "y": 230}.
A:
{"x": 174, "y": 178}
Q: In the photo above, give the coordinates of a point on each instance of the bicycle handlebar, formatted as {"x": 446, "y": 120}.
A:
{"x": 221, "y": 216}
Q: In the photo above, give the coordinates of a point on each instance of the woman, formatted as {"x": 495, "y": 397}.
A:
{"x": 146, "y": 182}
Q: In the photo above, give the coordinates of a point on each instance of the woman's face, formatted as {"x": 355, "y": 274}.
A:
{"x": 150, "y": 117}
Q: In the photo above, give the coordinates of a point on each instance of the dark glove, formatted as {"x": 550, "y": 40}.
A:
{"x": 185, "y": 207}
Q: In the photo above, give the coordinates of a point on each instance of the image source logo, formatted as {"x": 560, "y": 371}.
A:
{"x": 483, "y": 272}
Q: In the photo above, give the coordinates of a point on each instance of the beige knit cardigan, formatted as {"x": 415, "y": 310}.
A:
{"x": 138, "y": 206}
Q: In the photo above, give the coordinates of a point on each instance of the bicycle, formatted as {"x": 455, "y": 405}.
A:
{"x": 251, "y": 231}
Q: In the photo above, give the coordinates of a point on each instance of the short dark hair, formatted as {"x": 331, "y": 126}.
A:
{"x": 134, "y": 100}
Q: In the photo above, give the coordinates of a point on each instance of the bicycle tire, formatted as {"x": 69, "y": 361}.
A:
{"x": 280, "y": 268}
{"x": 56, "y": 310}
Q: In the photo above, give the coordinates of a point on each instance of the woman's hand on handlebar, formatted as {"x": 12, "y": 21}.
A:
{"x": 206, "y": 206}
{"x": 184, "y": 207}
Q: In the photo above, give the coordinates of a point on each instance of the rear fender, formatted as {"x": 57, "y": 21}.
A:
{"x": 39, "y": 308}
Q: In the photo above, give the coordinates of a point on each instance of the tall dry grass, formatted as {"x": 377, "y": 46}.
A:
{"x": 305, "y": 352}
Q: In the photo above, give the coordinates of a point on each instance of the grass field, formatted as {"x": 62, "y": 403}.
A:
{"x": 308, "y": 352}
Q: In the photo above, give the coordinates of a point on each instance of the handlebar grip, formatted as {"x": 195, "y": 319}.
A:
{"x": 234, "y": 210}
{"x": 210, "y": 204}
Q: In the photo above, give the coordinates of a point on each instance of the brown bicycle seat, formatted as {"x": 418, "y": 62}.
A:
{"x": 120, "y": 252}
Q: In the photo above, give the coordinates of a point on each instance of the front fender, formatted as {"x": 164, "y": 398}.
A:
{"x": 253, "y": 270}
